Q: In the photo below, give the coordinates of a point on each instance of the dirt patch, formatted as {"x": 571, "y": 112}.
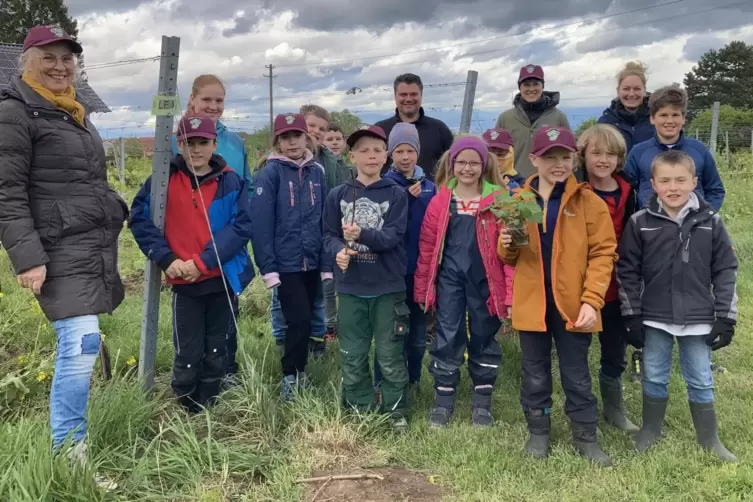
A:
{"x": 398, "y": 485}
{"x": 134, "y": 283}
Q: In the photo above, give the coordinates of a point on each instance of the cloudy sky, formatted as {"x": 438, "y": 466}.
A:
{"x": 322, "y": 48}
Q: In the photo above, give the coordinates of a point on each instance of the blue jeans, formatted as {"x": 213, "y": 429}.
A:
{"x": 415, "y": 342}
{"x": 279, "y": 325}
{"x": 695, "y": 363}
{"x": 77, "y": 349}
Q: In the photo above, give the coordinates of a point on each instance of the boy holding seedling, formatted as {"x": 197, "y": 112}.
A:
{"x": 364, "y": 226}
{"x": 677, "y": 275}
{"x": 565, "y": 268}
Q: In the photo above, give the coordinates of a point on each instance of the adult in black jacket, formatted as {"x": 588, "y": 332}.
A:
{"x": 434, "y": 135}
{"x": 59, "y": 219}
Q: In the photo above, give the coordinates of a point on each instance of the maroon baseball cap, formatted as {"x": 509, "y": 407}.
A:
{"x": 498, "y": 138}
{"x": 196, "y": 126}
{"x": 39, "y": 36}
{"x": 290, "y": 122}
{"x": 367, "y": 130}
{"x": 531, "y": 71}
{"x": 547, "y": 138}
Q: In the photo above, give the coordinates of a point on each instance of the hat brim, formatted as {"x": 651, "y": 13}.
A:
{"x": 361, "y": 133}
{"x": 290, "y": 128}
{"x": 205, "y": 135}
{"x": 77, "y": 48}
{"x": 501, "y": 146}
{"x": 548, "y": 147}
{"x": 521, "y": 80}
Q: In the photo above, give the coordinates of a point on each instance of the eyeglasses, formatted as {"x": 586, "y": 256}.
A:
{"x": 462, "y": 164}
{"x": 50, "y": 61}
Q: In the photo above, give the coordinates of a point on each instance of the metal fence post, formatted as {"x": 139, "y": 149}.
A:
{"x": 164, "y": 106}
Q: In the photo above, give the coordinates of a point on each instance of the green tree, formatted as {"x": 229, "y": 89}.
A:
{"x": 17, "y": 16}
{"x": 133, "y": 148}
{"x": 347, "y": 121}
{"x": 735, "y": 122}
{"x": 724, "y": 75}
{"x": 584, "y": 125}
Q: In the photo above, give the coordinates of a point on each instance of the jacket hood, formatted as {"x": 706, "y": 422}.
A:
{"x": 487, "y": 191}
{"x": 572, "y": 185}
{"x": 697, "y": 205}
{"x": 548, "y": 100}
{"x": 394, "y": 174}
{"x": 308, "y": 157}
{"x": 617, "y": 110}
{"x": 382, "y": 183}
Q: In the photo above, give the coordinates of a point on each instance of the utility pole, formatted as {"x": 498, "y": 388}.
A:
{"x": 470, "y": 96}
{"x": 271, "y": 100}
{"x": 165, "y": 107}
{"x": 715, "y": 126}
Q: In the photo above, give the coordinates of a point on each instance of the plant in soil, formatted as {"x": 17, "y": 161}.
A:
{"x": 515, "y": 212}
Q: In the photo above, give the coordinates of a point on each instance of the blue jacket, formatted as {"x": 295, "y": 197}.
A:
{"x": 230, "y": 147}
{"x": 635, "y": 127}
{"x": 186, "y": 233}
{"x": 416, "y": 210}
{"x": 638, "y": 168}
{"x": 288, "y": 205}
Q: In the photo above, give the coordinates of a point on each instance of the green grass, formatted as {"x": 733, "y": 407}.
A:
{"x": 252, "y": 447}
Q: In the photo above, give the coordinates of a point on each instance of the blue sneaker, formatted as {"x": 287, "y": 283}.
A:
{"x": 288, "y": 388}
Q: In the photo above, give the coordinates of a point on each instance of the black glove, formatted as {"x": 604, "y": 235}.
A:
{"x": 721, "y": 334}
{"x": 635, "y": 334}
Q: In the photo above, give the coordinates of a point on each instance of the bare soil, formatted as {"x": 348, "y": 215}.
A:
{"x": 398, "y": 485}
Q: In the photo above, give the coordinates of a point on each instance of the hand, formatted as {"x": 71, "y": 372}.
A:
{"x": 635, "y": 333}
{"x": 415, "y": 189}
{"x": 190, "y": 271}
{"x": 586, "y": 317}
{"x": 721, "y": 334}
{"x": 175, "y": 269}
{"x": 509, "y": 312}
{"x": 505, "y": 238}
{"x": 343, "y": 258}
{"x": 422, "y": 306}
{"x": 351, "y": 232}
{"x": 33, "y": 278}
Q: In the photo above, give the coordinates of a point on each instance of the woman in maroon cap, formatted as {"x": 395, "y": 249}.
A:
{"x": 533, "y": 108}
{"x": 59, "y": 219}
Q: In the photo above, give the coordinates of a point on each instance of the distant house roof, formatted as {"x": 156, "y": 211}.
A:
{"x": 9, "y": 54}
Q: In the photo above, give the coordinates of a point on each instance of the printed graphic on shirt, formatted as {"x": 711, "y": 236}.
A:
{"x": 369, "y": 214}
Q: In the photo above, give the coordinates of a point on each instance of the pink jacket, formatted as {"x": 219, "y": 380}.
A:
{"x": 431, "y": 246}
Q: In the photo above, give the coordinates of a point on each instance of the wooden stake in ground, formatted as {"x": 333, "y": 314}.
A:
{"x": 340, "y": 477}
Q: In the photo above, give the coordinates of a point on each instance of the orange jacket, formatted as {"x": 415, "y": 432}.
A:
{"x": 583, "y": 257}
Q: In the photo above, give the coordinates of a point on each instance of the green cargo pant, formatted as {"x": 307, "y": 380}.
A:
{"x": 386, "y": 319}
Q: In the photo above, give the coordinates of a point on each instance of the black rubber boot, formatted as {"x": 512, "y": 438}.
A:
{"x": 444, "y": 407}
{"x": 653, "y": 418}
{"x": 539, "y": 428}
{"x": 585, "y": 439}
{"x": 613, "y": 405}
{"x": 481, "y": 406}
{"x": 706, "y": 430}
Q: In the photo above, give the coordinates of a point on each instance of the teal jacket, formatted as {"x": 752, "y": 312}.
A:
{"x": 336, "y": 170}
{"x": 230, "y": 147}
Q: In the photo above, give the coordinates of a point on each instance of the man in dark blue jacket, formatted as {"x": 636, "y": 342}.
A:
{"x": 668, "y": 107}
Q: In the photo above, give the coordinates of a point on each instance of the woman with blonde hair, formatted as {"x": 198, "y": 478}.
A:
{"x": 629, "y": 110}
{"x": 59, "y": 219}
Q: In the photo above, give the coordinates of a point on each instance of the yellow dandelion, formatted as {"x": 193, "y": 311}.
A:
{"x": 131, "y": 361}
{"x": 22, "y": 359}
{"x": 1, "y": 294}
{"x": 42, "y": 376}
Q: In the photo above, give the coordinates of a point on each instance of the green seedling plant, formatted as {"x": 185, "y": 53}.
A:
{"x": 515, "y": 212}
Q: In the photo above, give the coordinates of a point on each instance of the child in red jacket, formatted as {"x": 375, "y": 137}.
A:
{"x": 601, "y": 156}
{"x": 458, "y": 269}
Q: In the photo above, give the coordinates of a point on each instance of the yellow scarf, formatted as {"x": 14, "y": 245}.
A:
{"x": 506, "y": 166}
{"x": 66, "y": 101}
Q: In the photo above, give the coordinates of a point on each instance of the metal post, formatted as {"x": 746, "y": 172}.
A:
{"x": 714, "y": 126}
{"x": 470, "y": 95}
{"x": 167, "y": 92}
{"x": 121, "y": 165}
{"x": 271, "y": 100}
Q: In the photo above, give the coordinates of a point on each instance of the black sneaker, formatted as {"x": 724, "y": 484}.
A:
{"x": 444, "y": 407}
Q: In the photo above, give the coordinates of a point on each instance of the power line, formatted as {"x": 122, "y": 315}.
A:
{"x": 498, "y": 49}
{"x": 500, "y": 37}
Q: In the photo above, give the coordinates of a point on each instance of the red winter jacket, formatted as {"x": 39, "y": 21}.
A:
{"x": 431, "y": 246}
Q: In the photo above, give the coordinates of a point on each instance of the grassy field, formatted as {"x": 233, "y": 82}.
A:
{"x": 252, "y": 447}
